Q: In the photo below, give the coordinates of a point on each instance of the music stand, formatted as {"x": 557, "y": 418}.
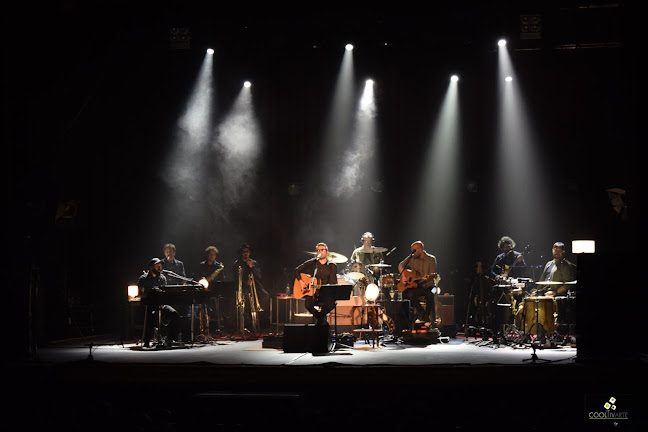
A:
{"x": 335, "y": 292}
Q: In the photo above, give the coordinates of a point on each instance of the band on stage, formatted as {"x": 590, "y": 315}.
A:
{"x": 508, "y": 301}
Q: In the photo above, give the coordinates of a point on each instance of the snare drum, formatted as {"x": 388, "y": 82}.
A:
{"x": 545, "y": 317}
{"x": 387, "y": 281}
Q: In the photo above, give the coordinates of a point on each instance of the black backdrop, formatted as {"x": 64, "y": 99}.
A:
{"x": 95, "y": 93}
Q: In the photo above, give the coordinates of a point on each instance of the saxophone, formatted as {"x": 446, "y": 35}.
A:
{"x": 213, "y": 276}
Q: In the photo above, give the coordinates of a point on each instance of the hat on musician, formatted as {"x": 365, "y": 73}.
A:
{"x": 154, "y": 261}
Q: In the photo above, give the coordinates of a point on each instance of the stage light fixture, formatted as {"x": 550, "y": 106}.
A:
{"x": 210, "y": 51}
{"x": 133, "y": 292}
{"x": 454, "y": 78}
{"x": 371, "y": 292}
{"x": 583, "y": 246}
{"x": 530, "y": 26}
{"x": 247, "y": 84}
{"x": 501, "y": 42}
{"x": 348, "y": 47}
{"x": 179, "y": 38}
{"x": 508, "y": 79}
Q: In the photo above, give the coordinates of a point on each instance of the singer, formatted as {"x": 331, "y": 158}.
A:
{"x": 423, "y": 268}
{"x": 323, "y": 272}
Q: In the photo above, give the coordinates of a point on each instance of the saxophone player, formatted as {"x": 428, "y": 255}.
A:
{"x": 248, "y": 271}
{"x": 210, "y": 268}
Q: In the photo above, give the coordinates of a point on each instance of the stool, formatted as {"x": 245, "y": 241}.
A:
{"x": 364, "y": 332}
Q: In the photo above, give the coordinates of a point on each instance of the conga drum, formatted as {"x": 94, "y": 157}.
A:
{"x": 539, "y": 315}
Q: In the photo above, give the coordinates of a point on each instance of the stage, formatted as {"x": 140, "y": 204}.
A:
{"x": 231, "y": 383}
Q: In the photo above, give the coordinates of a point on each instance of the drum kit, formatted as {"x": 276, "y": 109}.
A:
{"x": 360, "y": 275}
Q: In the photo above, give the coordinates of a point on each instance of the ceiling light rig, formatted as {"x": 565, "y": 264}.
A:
{"x": 179, "y": 38}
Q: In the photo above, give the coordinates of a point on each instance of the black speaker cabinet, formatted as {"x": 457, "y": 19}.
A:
{"x": 301, "y": 338}
{"x": 607, "y": 314}
{"x": 445, "y": 309}
{"x": 446, "y": 305}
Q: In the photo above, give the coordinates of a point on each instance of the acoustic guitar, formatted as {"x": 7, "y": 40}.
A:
{"x": 311, "y": 289}
{"x": 411, "y": 279}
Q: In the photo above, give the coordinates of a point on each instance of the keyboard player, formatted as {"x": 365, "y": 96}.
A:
{"x": 148, "y": 284}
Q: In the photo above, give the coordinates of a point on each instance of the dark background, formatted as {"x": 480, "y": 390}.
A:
{"x": 95, "y": 91}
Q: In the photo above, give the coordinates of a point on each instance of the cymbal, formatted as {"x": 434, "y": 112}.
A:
{"x": 379, "y": 265}
{"x": 372, "y": 249}
{"x": 332, "y": 256}
{"x": 555, "y": 283}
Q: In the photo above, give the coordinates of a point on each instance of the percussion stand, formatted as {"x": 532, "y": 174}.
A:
{"x": 534, "y": 344}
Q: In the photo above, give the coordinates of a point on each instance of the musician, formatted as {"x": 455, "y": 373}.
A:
{"x": 147, "y": 283}
{"x": 366, "y": 254}
{"x": 210, "y": 269}
{"x": 172, "y": 264}
{"x": 509, "y": 263}
{"x": 420, "y": 270}
{"x": 251, "y": 277}
{"x": 558, "y": 270}
{"x": 324, "y": 272}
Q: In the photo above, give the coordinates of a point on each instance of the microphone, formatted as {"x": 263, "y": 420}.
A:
{"x": 413, "y": 252}
{"x": 319, "y": 255}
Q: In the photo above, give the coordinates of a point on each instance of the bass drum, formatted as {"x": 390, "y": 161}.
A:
{"x": 343, "y": 280}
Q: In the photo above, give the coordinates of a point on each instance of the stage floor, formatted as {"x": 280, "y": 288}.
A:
{"x": 236, "y": 384}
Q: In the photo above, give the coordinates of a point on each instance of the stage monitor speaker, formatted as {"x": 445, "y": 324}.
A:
{"x": 301, "y": 338}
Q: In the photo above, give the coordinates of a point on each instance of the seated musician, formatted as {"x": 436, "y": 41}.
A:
{"x": 418, "y": 273}
{"x": 323, "y": 272}
{"x": 147, "y": 283}
{"x": 367, "y": 254}
{"x": 558, "y": 270}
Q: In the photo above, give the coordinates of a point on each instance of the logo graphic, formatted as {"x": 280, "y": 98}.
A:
{"x": 614, "y": 409}
{"x": 610, "y": 404}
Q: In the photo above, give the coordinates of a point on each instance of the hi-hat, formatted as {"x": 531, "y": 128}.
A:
{"x": 332, "y": 256}
{"x": 372, "y": 249}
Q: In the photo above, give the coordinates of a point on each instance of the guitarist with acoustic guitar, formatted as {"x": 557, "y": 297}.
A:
{"x": 418, "y": 276}
{"x": 309, "y": 277}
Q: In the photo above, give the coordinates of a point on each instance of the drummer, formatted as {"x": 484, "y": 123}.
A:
{"x": 368, "y": 254}
{"x": 558, "y": 270}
